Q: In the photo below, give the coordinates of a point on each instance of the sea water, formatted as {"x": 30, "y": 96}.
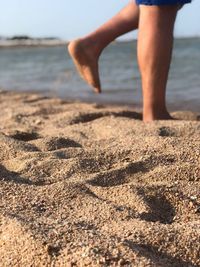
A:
{"x": 50, "y": 70}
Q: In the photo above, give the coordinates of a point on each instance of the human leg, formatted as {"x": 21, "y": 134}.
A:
{"x": 155, "y": 43}
{"x": 86, "y": 51}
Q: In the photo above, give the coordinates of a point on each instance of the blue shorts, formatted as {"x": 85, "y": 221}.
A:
{"x": 162, "y": 2}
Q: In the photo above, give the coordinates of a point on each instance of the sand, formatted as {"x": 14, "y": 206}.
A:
{"x": 91, "y": 185}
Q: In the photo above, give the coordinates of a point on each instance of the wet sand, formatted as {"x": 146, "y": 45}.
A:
{"x": 91, "y": 185}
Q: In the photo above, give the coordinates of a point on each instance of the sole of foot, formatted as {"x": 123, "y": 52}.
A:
{"x": 86, "y": 63}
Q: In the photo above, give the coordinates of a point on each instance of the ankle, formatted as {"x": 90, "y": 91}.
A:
{"x": 150, "y": 114}
{"x": 92, "y": 45}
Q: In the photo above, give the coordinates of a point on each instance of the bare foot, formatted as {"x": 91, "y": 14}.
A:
{"x": 86, "y": 63}
{"x": 160, "y": 116}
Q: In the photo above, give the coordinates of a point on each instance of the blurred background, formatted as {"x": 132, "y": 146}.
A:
{"x": 33, "y": 54}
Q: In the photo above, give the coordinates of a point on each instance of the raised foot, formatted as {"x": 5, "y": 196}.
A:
{"x": 86, "y": 63}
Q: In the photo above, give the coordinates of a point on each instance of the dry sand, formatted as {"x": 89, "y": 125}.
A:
{"x": 90, "y": 185}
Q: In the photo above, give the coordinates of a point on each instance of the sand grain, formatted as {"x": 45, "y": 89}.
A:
{"x": 89, "y": 185}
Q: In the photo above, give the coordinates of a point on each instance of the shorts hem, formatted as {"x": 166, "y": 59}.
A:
{"x": 161, "y": 2}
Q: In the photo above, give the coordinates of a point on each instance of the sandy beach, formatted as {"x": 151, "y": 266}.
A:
{"x": 92, "y": 185}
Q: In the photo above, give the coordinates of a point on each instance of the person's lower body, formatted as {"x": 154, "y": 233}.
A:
{"x": 155, "y": 20}
{"x": 86, "y": 51}
{"x": 155, "y": 42}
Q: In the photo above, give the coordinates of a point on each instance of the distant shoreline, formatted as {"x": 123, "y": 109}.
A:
{"x": 9, "y": 43}
{"x": 31, "y": 43}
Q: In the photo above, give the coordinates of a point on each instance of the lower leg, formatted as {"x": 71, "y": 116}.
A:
{"x": 125, "y": 21}
{"x": 155, "y": 45}
{"x": 86, "y": 51}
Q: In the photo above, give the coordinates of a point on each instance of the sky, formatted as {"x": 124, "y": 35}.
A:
{"x": 69, "y": 19}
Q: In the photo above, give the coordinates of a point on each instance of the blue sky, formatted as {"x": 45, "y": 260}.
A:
{"x": 69, "y": 19}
